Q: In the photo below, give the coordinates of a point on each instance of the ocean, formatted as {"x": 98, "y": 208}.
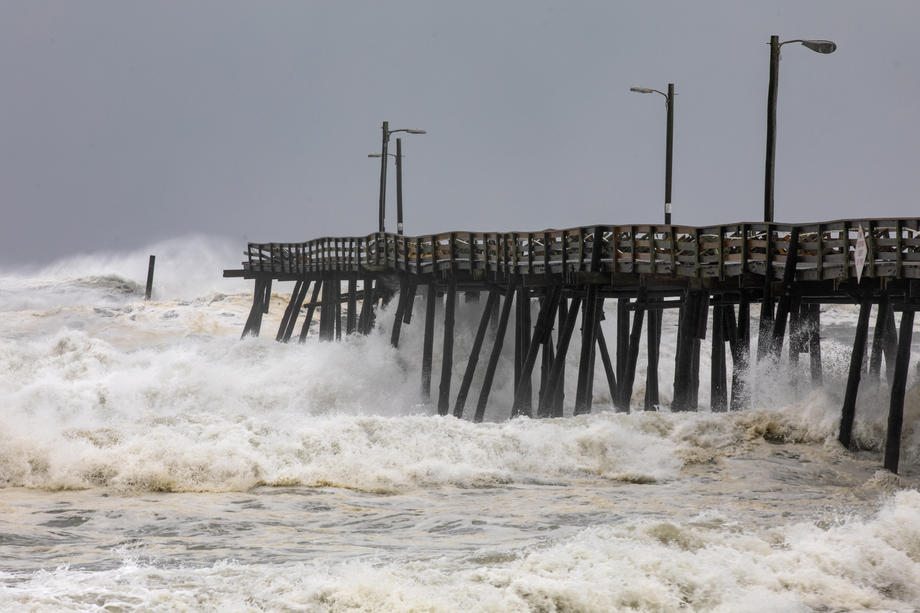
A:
{"x": 150, "y": 460}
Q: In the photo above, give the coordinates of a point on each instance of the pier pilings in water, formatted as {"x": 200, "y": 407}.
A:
{"x": 710, "y": 275}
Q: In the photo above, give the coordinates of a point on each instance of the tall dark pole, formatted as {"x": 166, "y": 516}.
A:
{"x": 383, "y": 173}
{"x": 771, "y": 130}
{"x": 399, "y": 210}
{"x": 670, "y": 155}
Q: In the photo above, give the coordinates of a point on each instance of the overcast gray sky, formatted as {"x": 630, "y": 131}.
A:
{"x": 127, "y": 122}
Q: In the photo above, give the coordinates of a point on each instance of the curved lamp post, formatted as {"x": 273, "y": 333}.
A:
{"x": 818, "y": 46}
{"x": 383, "y": 169}
{"x": 669, "y": 148}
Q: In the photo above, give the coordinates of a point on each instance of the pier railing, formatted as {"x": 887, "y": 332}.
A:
{"x": 823, "y": 250}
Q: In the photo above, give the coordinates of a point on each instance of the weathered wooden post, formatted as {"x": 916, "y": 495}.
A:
{"x": 717, "y": 376}
{"x": 428, "y": 342}
{"x": 584, "y": 388}
{"x": 848, "y": 413}
{"x": 702, "y": 317}
{"x": 447, "y": 351}
{"x": 814, "y": 344}
{"x": 652, "y": 347}
{"x": 739, "y": 358}
{"x": 311, "y": 307}
{"x": 765, "y": 332}
{"x": 785, "y": 301}
{"x": 542, "y": 329}
{"x": 612, "y": 386}
{"x": 552, "y": 397}
{"x": 150, "y": 264}
{"x": 400, "y": 311}
{"x": 622, "y": 336}
{"x": 635, "y": 338}
{"x": 491, "y": 304}
{"x": 522, "y": 346}
{"x": 878, "y": 338}
{"x": 351, "y": 317}
{"x": 899, "y": 382}
{"x": 496, "y": 352}
{"x": 289, "y": 321}
{"x": 254, "y": 321}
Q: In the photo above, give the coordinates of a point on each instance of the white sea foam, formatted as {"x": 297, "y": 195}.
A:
{"x": 162, "y": 396}
{"x": 705, "y": 565}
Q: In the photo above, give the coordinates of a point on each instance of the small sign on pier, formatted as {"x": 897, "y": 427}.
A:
{"x": 859, "y": 254}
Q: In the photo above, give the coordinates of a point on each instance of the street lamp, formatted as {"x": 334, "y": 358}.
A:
{"x": 818, "y": 46}
{"x": 399, "y": 200}
{"x": 383, "y": 166}
{"x": 669, "y": 148}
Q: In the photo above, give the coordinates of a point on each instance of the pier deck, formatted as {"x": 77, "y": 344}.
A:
{"x": 711, "y": 274}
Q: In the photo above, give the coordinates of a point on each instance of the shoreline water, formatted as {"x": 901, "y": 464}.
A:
{"x": 149, "y": 460}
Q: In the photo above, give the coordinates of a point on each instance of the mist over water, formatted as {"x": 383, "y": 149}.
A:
{"x": 151, "y": 460}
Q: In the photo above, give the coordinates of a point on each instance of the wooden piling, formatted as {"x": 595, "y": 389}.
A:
{"x": 428, "y": 342}
{"x": 622, "y": 336}
{"x": 266, "y": 296}
{"x": 150, "y": 264}
{"x": 367, "y": 306}
{"x": 744, "y": 328}
{"x": 814, "y": 343}
{"x": 552, "y": 398}
{"x": 629, "y": 374}
{"x": 898, "y": 384}
{"x": 254, "y": 321}
{"x": 848, "y": 413}
{"x": 410, "y": 303}
{"x": 522, "y": 347}
{"x": 765, "y": 324}
{"x": 612, "y": 386}
{"x": 327, "y": 311}
{"x": 683, "y": 355}
{"x": 337, "y": 310}
{"x": 447, "y": 351}
{"x": 496, "y": 353}
{"x": 797, "y": 338}
{"x": 653, "y": 343}
{"x": 282, "y": 327}
{"x": 878, "y": 337}
{"x": 785, "y": 301}
{"x": 557, "y": 401}
{"x": 400, "y": 311}
{"x": 289, "y": 321}
{"x": 351, "y": 317}
{"x": 717, "y": 377}
{"x": 584, "y": 387}
{"x": 311, "y": 307}
{"x": 542, "y": 329}
{"x": 739, "y": 359}
{"x": 546, "y": 361}
{"x": 689, "y": 331}
{"x": 699, "y": 333}
{"x": 890, "y": 346}
{"x": 491, "y": 305}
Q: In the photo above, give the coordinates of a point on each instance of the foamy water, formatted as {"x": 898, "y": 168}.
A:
{"x": 150, "y": 460}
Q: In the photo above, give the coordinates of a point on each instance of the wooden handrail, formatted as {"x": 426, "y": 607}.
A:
{"x": 824, "y": 251}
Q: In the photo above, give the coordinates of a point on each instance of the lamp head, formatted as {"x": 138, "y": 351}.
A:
{"x": 820, "y": 46}
{"x": 642, "y": 90}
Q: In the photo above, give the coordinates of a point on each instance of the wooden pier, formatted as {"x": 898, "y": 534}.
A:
{"x": 711, "y": 274}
